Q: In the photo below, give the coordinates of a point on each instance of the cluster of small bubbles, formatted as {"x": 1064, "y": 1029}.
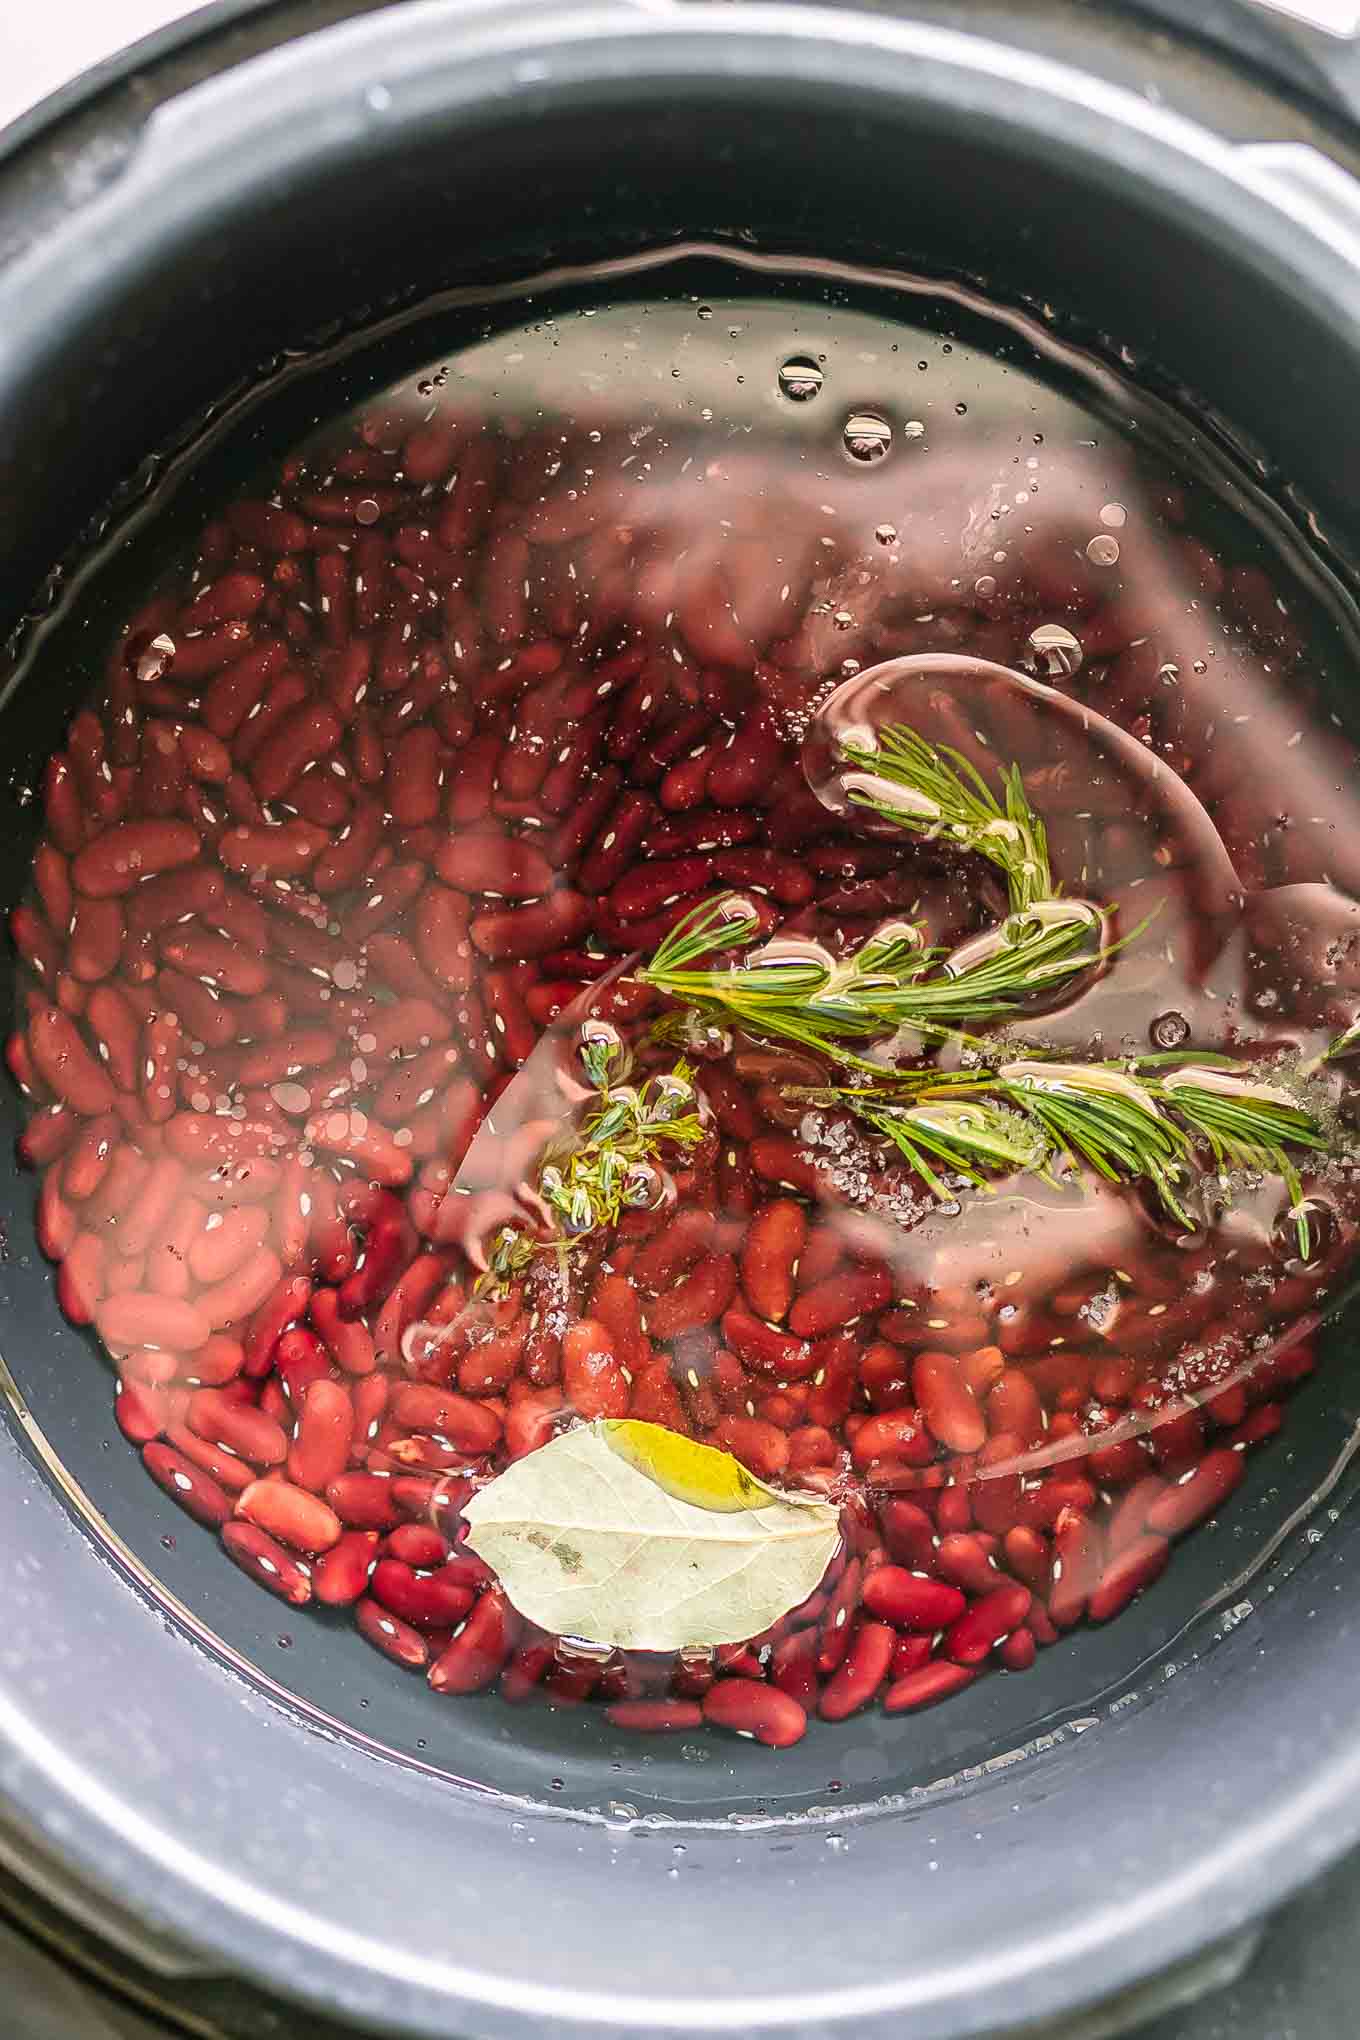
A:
{"x": 1102, "y": 550}
{"x": 867, "y": 436}
{"x": 800, "y": 378}
{"x": 1056, "y": 649}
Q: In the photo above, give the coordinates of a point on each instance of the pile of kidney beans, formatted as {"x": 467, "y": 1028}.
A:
{"x": 417, "y": 747}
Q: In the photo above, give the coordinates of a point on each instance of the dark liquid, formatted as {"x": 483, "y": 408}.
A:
{"x": 448, "y": 713}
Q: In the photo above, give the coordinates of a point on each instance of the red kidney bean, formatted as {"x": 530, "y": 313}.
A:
{"x": 774, "y": 1241}
{"x": 65, "y": 1064}
{"x": 655, "y": 1717}
{"x": 124, "y": 855}
{"x": 340, "y": 1575}
{"x": 893, "y": 1437}
{"x": 267, "y": 1563}
{"x": 468, "y": 1425}
{"x": 861, "y": 1673}
{"x": 947, "y": 1403}
{"x": 319, "y": 1452}
{"x": 486, "y": 861}
{"x": 143, "y": 1319}
{"x": 292, "y": 1515}
{"x": 1077, "y": 1564}
{"x": 364, "y": 1501}
{"x": 753, "y": 1709}
{"x": 531, "y": 931}
{"x": 924, "y": 1688}
{"x": 247, "y": 1432}
{"x": 910, "y": 1602}
{"x": 195, "y": 1491}
{"x": 986, "y": 1624}
{"x": 426, "y": 1600}
{"x": 477, "y": 1654}
{"x": 1197, "y": 1494}
{"x": 594, "y": 1380}
{"x": 834, "y": 1632}
{"x": 389, "y": 1634}
{"x": 698, "y": 1299}
{"x": 771, "y": 1352}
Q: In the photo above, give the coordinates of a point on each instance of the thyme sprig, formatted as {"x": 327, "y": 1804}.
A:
{"x": 893, "y": 981}
{"x": 1134, "y": 1122}
{"x": 590, "y": 1177}
{"x": 936, "y": 791}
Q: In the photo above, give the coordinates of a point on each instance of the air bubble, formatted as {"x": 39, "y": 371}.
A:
{"x": 886, "y": 534}
{"x": 1169, "y": 1030}
{"x": 1056, "y": 649}
{"x": 867, "y": 436}
{"x": 1103, "y": 550}
{"x": 800, "y": 379}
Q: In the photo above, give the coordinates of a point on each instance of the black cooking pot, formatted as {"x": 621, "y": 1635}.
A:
{"x": 263, "y": 182}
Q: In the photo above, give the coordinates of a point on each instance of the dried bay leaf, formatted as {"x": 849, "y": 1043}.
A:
{"x": 631, "y": 1535}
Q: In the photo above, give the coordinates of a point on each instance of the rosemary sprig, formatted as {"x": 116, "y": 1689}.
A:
{"x": 588, "y": 1179}
{"x": 800, "y": 992}
{"x": 939, "y": 793}
{"x": 1128, "y": 1123}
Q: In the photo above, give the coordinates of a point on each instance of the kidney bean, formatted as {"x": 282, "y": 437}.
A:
{"x": 947, "y": 1403}
{"x": 64, "y": 1063}
{"x": 141, "y": 1412}
{"x": 751, "y": 1708}
{"x": 195, "y": 1491}
{"x": 924, "y": 1688}
{"x": 1197, "y": 1494}
{"x": 389, "y": 1634}
{"x": 833, "y": 1634}
{"x": 143, "y": 1319}
{"x": 893, "y": 1437}
{"x": 340, "y": 1575}
{"x": 487, "y": 861}
{"x": 774, "y": 1241}
{"x": 320, "y": 1450}
{"x": 530, "y": 931}
{"x": 1078, "y": 1560}
{"x": 296, "y": 1518}
{"x": 696, "y": 1300}
{"x": 908, "y": 1601}
{"x": 124, "y": 855}
{"x": 426, "y": 1600}
{"x": 987, "y": 1623}
{"x": 249, "y": 1433}
{"x": 863, "y": 1670}
{"x": 267, "y": 1563}
{"x": 468, "y": 1425}
{"x": 655, "y": 1717}
{"x": 594, "y": 1381}
{"x": 477, "y": 1654}
{"x": 771, "y": 1352}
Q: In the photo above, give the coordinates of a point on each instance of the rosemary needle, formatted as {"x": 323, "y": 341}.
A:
{"x": 802, "y": 993}
{"x": 940, "y": 794}
{"x": 1128, "y": 1124}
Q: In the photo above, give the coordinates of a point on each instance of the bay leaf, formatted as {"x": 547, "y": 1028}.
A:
{"x": 630, "y": 1535}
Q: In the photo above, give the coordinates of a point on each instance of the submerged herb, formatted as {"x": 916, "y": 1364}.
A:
{"x": 893, "y": 981}
{"x": 590, "y": 1178}
{"x": 1128, "y": 1123}
{"x": 940, "y": 794}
